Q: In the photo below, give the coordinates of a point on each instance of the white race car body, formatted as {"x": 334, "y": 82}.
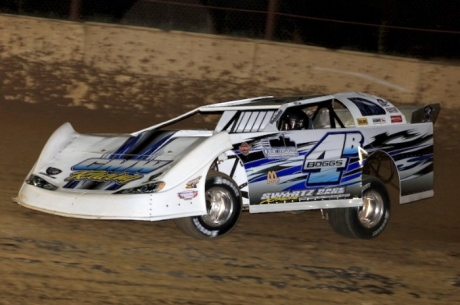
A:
{"x": 155, "y": 174}
{"x": 93, "y": 168}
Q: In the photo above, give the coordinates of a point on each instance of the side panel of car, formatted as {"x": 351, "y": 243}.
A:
{"x": 302, "y": 169}
{"x": 411, "y": 148}
{"x": 309, "y": 169}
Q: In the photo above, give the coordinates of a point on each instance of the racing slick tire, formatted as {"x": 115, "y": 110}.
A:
{"x": 224, "y": 206}
{"x": 367, "y": 221}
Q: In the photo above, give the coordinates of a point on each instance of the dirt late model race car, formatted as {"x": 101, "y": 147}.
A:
{"x": 333, "y": 153}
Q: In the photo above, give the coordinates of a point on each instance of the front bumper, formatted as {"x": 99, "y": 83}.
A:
{"x": 90, "y": 205}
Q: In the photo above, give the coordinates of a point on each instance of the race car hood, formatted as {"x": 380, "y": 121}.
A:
{"x": 71, "y": 161}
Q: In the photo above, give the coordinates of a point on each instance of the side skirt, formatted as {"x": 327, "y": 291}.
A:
{"x": 313, "y": 205}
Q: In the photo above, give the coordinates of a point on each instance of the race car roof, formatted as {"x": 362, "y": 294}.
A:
{"x": 262, "y": 102}
{"x": 268, "y": 103}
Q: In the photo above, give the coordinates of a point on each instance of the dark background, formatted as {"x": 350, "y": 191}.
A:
{"x": 428, "y": 29}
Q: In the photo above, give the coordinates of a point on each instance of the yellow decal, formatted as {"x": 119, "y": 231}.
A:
{"x": 103, "y": 176}
{"x": 362, "y": 121}
{"x": 272, "y": 177}
{"x": 192, "y": 183}
{"x": 276, "y": 199}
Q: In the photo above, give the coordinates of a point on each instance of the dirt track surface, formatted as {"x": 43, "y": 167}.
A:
{"x": 269, "y": 259}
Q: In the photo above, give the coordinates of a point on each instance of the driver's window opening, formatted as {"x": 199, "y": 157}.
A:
{"x": 329, "y": 114}
{"x": 343, "y": 116}
{"x": 295, "y": 118}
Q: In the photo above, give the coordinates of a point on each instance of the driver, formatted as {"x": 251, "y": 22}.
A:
{"x": 294, "y": 121}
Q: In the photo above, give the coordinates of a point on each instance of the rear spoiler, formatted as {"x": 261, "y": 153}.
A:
{"x": 425, "y": 114}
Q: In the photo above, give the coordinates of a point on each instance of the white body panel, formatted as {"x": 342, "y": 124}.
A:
{"x": 90, "y": 205}
{"x": 103, "y": 176}
{"x": 81, "y": 203}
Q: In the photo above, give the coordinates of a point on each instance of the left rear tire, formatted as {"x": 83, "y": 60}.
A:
{"x": 367, "y": 221}
{"x": 224, "y": 207}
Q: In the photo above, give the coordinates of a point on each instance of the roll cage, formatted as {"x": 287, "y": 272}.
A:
{"x": 320, "y": 115}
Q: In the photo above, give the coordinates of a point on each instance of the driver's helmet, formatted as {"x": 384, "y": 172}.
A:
{"x": 294, "y": 121}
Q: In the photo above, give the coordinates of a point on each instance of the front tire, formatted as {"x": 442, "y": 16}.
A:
{"x": 367, "y": 221}
{"x": 224, "y": 207}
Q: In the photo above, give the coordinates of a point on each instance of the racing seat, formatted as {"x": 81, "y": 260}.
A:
{"x": 322, "y": 119}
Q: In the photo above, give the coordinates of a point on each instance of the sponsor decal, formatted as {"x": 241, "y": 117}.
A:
{"x": 327, "y": 160}
{"x": 120, "y": 171}
{"x": 304, "y": 195}
{"x": 103, "y": 176}
{"x": 187, "y": 195}
{"x": 392, "y": 110}
{"x": 362, "y": 121}
{"x": 383, "y": 103}
{"x": 279, "y": 148}
{"x": 272, "y": 177}
{"x": 336, "y": 163}
{"x": 396, "y": 119}
{"x": 120, "y": 165}
{"x": 331, "y": 191}
{"x": 53, "y": 171}
{"x": 282, "y": 196}
{"x": 245, "y": 148}
{"x": 379, "y": 121}
{"x": 280, "y": 152}
{"x": 192, "y": 183}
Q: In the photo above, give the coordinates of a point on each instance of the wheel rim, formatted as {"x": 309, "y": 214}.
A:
{"x": 219, "y": 206}
{"x": 372, "y": 210}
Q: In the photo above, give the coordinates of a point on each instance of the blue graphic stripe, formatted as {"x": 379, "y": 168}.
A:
{"x": 346, "y": 179}
{"x": 130, "y": 143}
{"x": 412, "y": 148}
{"x": 152, "y": 148}
{"x": 258, "y": 163}
{"x": 353, "y": 166}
